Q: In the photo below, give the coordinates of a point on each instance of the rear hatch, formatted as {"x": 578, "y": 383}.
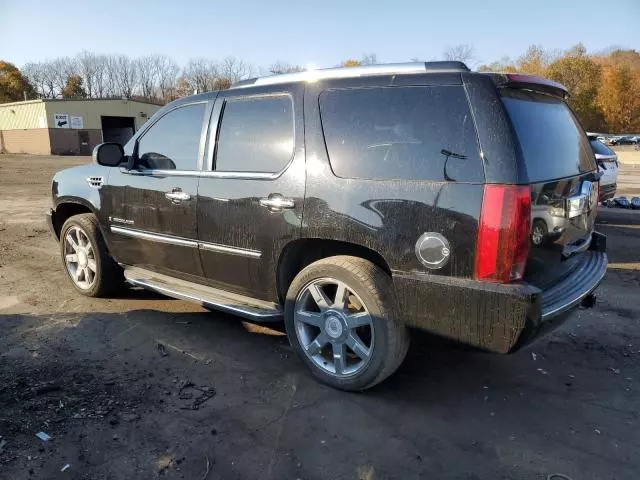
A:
{"x": 556, "y": 160}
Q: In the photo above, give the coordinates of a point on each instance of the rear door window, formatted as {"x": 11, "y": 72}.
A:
{"x": 413, "y": 133}
{"x": 600, "y": 148}
{"x": 256, "y": 134}
{"x": 552, "y": 142}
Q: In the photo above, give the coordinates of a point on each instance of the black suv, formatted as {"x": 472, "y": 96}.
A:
{"x": 354, "y": 203}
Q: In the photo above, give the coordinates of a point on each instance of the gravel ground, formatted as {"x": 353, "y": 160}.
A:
{"x": 143, "y": 386}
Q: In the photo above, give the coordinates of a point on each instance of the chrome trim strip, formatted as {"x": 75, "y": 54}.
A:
{"x": 242, "y": 175}
{"x": 243, "y": 252}
{"x": 199, "y": 174}
{"x": 171, "y": 240}
{"x": 154, "y": 237}
{"x": 249, "y": 314}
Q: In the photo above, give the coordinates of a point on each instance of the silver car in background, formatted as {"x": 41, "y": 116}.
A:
{"x": 607, "y": 165}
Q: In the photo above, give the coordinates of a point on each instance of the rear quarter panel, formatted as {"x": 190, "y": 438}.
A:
{"x": 387, "y": 216}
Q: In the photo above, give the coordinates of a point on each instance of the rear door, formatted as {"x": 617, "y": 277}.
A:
{"x": 252, "y": 190}
{"x": 555, "y": 157}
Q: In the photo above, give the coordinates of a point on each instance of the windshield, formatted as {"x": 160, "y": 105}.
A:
{"x": 552, "y": 142}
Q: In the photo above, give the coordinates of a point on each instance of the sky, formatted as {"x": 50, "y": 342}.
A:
{"x": 319, "y": 33}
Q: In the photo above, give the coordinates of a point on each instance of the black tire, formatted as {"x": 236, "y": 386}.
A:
{"x": 108, "y": 275}
{"x": 541, "y": 227}
{"x": 375, "y": 289}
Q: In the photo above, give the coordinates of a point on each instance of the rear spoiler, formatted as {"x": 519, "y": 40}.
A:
{"x": 529, "y": 82}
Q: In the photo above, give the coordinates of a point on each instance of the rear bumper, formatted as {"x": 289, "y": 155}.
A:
{"x": 608, "y": 191}
{"x": 496, "y": 317}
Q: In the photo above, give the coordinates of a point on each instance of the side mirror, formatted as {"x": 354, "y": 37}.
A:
{"x": 108, "y": 154}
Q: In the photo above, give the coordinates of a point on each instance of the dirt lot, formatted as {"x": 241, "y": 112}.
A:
{"x": 223, "y": 399}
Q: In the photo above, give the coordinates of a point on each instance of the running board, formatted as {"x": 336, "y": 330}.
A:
{"x": 243, "y": 306}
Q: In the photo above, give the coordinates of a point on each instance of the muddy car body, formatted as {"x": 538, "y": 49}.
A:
{"x": 353, "y": 203}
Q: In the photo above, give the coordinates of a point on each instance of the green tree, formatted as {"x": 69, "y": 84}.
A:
{"x": 13, "y": 85}
{"x": 582, "y": 76}
{"x": 74, "y": 88}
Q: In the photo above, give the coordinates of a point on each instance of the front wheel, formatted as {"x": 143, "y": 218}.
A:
{"x": 340, "y": 318}
{"x": 87, "y": 262}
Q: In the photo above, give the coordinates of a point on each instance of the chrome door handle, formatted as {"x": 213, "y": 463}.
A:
{"x": 177, "y": 196}
{"x": 277, "y": 202}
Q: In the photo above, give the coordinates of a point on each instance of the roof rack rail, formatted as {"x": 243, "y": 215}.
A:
{"x": 351, "y": 72}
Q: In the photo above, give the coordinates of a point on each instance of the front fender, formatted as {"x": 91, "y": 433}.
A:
{"x": 77, "y": 189}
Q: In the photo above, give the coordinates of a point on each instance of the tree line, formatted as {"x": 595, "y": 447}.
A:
{"x": 604, "y": 87}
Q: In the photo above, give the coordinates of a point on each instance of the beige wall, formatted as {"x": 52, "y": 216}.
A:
{"x": 92, "y": 110}
{"x": 35, "y": 140}
{"x": 22, "y": 115}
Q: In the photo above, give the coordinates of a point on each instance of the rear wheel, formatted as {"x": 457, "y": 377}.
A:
{"x": 538, "y": 232}
{"x": 87, "y": 262}
{"x": 340, "y": 318}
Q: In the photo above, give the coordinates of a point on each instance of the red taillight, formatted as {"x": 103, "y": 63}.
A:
{"x": 503, "y": 233}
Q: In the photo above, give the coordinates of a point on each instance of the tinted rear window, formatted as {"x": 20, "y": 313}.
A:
{"x": 600, "y": 148}
{"x": 415, "y": 133}
{"x": 552, "y": 141}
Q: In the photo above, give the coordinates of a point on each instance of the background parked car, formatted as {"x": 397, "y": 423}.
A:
{"x": 607, "y": 165}
{"x": 624, "y": 141}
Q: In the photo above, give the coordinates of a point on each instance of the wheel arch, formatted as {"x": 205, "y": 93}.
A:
{"x": 302, "y": 252}
{"x": 68, "y": 207}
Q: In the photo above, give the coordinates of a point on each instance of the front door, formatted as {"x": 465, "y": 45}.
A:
{"x": 152, "y": 208}
{"x": 252, "y": 190}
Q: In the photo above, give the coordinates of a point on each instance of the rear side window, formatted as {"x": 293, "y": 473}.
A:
{"x": 173, "y": 142}
{"x": 413, "y": 133}
{"x": 552, "y": 141}
{"x": 256, "y": 135}
{"x": 600, "y": 148}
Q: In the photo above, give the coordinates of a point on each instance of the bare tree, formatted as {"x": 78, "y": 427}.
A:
{"x": 166, "y": 73}
{"x": 87, "y": 66}
{"x": 232, "y": 69}
{"x": 35, "y": 73}
{"x": 200, "y": 75}
{"x": 100, "y": 76}
{"x": 369, "y": 59}
{"x": 127, "y": 75}
{"x": 49, "y": 79}
{"x": 60, "y": 69}
{"x": 460, "y": 53}
{"x": 279, "y": 67}
{"x": 146, "y": 76}
{"x": 111, "y": 75}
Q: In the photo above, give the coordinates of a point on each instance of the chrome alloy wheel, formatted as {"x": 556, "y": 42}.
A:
{"x": 334, "y": 327}
{"x": 537, "y": 235}
{"x": 79, "y": 257}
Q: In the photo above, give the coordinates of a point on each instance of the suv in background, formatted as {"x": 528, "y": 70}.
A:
{"x": 354, "y": 203}
{"x": 607, "y": 161}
